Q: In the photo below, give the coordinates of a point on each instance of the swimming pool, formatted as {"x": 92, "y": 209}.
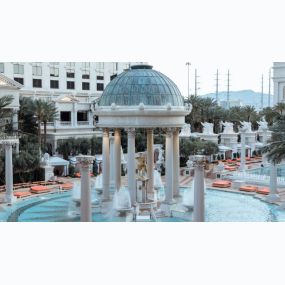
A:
{"x": 220, "y": 207}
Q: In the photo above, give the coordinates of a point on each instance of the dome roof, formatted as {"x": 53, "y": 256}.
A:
{"x": 141, "y": 84}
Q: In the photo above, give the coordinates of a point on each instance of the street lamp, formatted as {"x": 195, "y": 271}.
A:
{"x": 188, "y": 67}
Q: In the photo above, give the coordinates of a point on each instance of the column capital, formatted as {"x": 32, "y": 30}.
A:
{"x": 85, "y": 160}
{"x": 131, "y": 131}
{"x": 117, "y": 131}
{"x": 105, "y": 132}
{"x": 149, "y": 131}
{"x": 168, "y": 132}
{"x": 198, "y": 160}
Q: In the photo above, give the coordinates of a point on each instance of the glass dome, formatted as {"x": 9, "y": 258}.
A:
{"x": 141, "y": 84}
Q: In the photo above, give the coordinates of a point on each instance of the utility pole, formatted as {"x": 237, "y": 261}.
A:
{"x": 228, "y": 89}
{"x": 196, "y": 83}
{"x": 188, "y": 90}
{"x": 217, "y": 86}
{"x": 269, "y": 88}
{"x": 262, "y": 92}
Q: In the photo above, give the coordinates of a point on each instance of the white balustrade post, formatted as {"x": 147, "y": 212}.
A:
{"x": 85, "y": 203}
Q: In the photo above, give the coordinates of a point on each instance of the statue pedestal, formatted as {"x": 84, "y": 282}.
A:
{"x": 48, "y": 172}
{"x": 209, "y": 137}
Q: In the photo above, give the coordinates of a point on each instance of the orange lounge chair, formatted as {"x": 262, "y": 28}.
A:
{"x": 264, "y": 191}
{"x": 66, "y": 186}
{"x": 248, "y": 188}
{"x": 39, "y": 189}
{"x": 230, "y": 168}
{"x": 222, "y": 184}
{"x": 22, "y": 194}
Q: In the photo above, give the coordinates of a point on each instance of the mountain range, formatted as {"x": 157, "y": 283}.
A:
{"x": 247, "y": 97}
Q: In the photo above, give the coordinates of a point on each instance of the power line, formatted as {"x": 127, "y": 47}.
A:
{"x": 228, "y": 89}
{"x": 269, "y": 88}
{"x": 217, "y": 86}
{"x": 196, "y": 83}
{"x": 188, "y": 90}
{"x": 261, "y": 91}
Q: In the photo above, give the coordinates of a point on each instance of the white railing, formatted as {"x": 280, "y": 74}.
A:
{"x": 85, "y": 123}
{"x": 256, "y": 178}
{"x": 65, "y": 123}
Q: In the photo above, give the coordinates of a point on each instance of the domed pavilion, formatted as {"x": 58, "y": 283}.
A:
{"x": 141, "y": 98}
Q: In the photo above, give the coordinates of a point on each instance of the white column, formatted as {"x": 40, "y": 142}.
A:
{"x": 199, "y": 189}
{"x": 273, "y": 195}
{"x": 169, "y": 167}
{"x": 112, "y": 159}
{"x": 176, "y": 163}
{"x": 15, "y": 120}
{"x": 131, "y": 165}
{"x": 9, "y": 197}
{"x": 242, "y": 156}
{"x": 106, "y": 164}
{"x": 74, "y": 115}
{"x": 85, "y": 203}
{"x": 117, "y": 161}
{"x": 150, "y": 163}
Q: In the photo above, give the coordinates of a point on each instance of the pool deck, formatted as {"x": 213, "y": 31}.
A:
{"x": 184, "y": 181}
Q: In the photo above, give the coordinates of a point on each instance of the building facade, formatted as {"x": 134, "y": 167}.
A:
{"x": 72, "y": 86}
{"x": 279, "y": 82}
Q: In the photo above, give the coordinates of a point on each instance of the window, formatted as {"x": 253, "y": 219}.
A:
{"x": 100, "y": 77}
{"x": 100, "y": 86}
{"x": 37, "y": 83}
{"x": 70, "y": 85}
{"x": 37, "y": 70}
{"x": 70, "y": 74}
{"x": 54, "y": 84}
{"x": 85, "y": 86}
{"x": 54, "y": 71}
{"x": 19, "y": 79}
{"x": 85, "y": 75}
{"x": 82, "y": 116}
{"x": 1, "y": 67}
{"x": 65, "y": 116}
{"x": 18, "y": 68}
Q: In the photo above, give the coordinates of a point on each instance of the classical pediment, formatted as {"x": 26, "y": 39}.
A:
{"x": 8, "y": 83}
{"x": 66, "y": 99}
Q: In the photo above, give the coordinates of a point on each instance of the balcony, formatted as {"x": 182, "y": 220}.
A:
{"x": 83, "y": 123}
{"x": 65, "y": 123}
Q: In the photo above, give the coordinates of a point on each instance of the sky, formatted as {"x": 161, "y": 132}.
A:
{"x": 243, "y": 36}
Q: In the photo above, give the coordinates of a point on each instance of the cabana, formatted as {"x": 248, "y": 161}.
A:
{"x": 60, "y": 165}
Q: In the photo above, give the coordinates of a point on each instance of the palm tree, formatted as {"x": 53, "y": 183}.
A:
{"x": 269, "y": 114}
{"x": 50, "y": 114}
{"x": 280, "y": 107}
{"x": 4, "y": 112}
{"x": 248, "y": 112}
{"x": 44, "y": 113}
{"x": 275, "y": 150}
{"x": 4, "y": 102}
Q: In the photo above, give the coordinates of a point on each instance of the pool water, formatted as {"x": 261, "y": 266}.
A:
{"x": 220, "y": 207}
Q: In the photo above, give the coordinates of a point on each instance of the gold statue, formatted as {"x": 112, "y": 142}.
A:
{"x": 141, "y": 165}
